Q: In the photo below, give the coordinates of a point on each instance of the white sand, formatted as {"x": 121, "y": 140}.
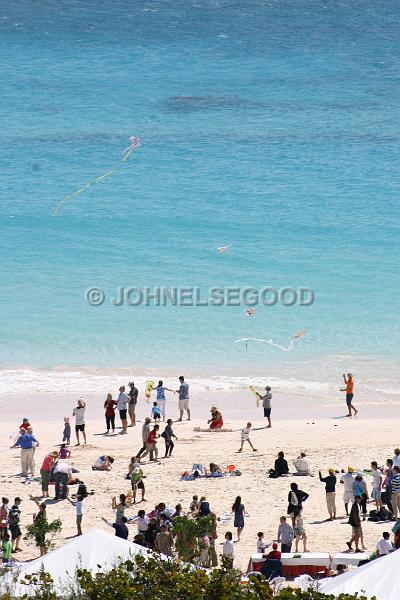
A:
{"x": 329, "y": 442}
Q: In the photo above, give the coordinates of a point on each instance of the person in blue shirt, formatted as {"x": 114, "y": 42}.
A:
{"x": 27, "y": 442}
{"x": 161, "y": 399}
{"x": 156, "y": 412}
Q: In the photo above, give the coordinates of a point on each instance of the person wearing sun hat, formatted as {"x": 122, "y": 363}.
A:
{"x": 45, "y": 471}
{"x": 348, "y": 496}
{"x": 330, "y": 491}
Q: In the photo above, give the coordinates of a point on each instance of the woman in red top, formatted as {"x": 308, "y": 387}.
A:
{"x": 109, "y": 405}
{"x": 216, "y": 420}
{"x": 45, "y": 471}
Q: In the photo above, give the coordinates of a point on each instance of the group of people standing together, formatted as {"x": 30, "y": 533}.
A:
{"x": 127, "y": 401}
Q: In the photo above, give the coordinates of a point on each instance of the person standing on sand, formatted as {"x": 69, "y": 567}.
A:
{"x": 151, "y": 445}
{"x": 266, "y": 402}
{"x": 45, "y": 471}
{"x": 79, "y": 414}
{"x": 122, "y": 405}
{"x": 14, "y": 520}
{"x": 133, "y": 396}
{"x": 355, "y": 522}
{"x": 145, "y": 435}
{"x": 387, "y": 484}
{"x": 376, "y": 493}
{"x": 245, "y": 437}
{"x": 161, "y": 399}
{"x": 348, "y": 495}
{"x": 183, "y": 398}
{"x": 27, "y": 442}
{"x": 238, "y": 510}
{"x": 110, "y": 405}
{"x": 330, "y": 491}
{"x": 349, "y": 389}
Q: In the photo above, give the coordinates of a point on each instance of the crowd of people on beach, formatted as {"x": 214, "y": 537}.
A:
{"x": 154, "y": 528}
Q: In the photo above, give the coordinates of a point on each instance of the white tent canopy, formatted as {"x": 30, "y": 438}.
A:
{"x": 88, "y": 551}
{"x": 378, "y": 578}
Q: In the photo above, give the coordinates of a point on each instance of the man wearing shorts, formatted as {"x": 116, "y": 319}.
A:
{"x": 122, "y": 405}
{"x": 183, "y": 398}
{"x": 266, "y": 402}
{"x": 79, "y": 414}
{"x": 348, "y": 480}
{"x": 14, "y": 520}
{"x": 355, "y": 522}
{"x": 349, "y": 389}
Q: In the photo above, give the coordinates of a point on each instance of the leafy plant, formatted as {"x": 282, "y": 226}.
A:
{"x": 41, "y": 529}
{"x": 187, "y": 532}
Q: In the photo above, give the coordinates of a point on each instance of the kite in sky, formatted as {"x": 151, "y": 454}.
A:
{"x": 250, "y": 313}
{"x": 134, "y": 143}
{"x": 294, "y": 337}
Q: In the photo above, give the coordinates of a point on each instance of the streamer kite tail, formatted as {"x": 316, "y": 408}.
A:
{"x": 287, "y": 348}
{"x": 134, "y": 143}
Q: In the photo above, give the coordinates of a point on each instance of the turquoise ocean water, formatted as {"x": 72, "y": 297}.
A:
{"x": 271, "y": 126}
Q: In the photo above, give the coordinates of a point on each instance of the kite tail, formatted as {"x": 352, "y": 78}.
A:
{"x": 127, "y": 152}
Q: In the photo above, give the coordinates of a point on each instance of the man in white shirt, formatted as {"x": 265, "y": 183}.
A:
{"x": 384, "y": 546}
{"x": 396, "y": 457}
{"x": 302, "y": 464}
{"x": 142, "y": 522}
{"x": 79, "y": 414}
{"x": 63, "y": 473}
{"x": 348, "y": 495}
{"x": 122, "y": 405}
{"x": 376, "y": 493}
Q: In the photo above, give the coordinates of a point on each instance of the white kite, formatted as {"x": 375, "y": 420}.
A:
{"x": 294, "y": 337}
{"x": 223, "y": 249}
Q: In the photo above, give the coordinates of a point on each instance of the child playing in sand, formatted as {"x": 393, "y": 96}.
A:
{"x": 156, "y": 412}
{"x": 245, "y": 437}
{"x": 299, "y": 531}
{"x": 67, "y": 431}
{"x": 261, "y": 545}
{"x": 78, "y": 503}
{"x": 64, "y": 452}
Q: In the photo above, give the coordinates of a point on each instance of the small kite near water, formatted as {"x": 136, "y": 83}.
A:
{"x": 223, "y": 249}
{"x": 294, "y": 337}
{"x": 134, "y": 143}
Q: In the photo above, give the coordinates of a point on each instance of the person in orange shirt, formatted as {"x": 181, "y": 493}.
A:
{"x": 349, "y": 389}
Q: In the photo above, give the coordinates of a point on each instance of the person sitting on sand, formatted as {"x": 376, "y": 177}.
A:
{"x": 214, "y": 470}
{"x": 216, "y": 420}
{"x": 103, "y": 463}
{"x": 302, "y": 464}
{"x": 281, "y": 466}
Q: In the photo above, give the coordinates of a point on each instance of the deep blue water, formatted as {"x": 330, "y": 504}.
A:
{"x": 271, "y": 126}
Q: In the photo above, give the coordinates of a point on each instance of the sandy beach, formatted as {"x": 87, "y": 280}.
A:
{"x": 328, "y": 439}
